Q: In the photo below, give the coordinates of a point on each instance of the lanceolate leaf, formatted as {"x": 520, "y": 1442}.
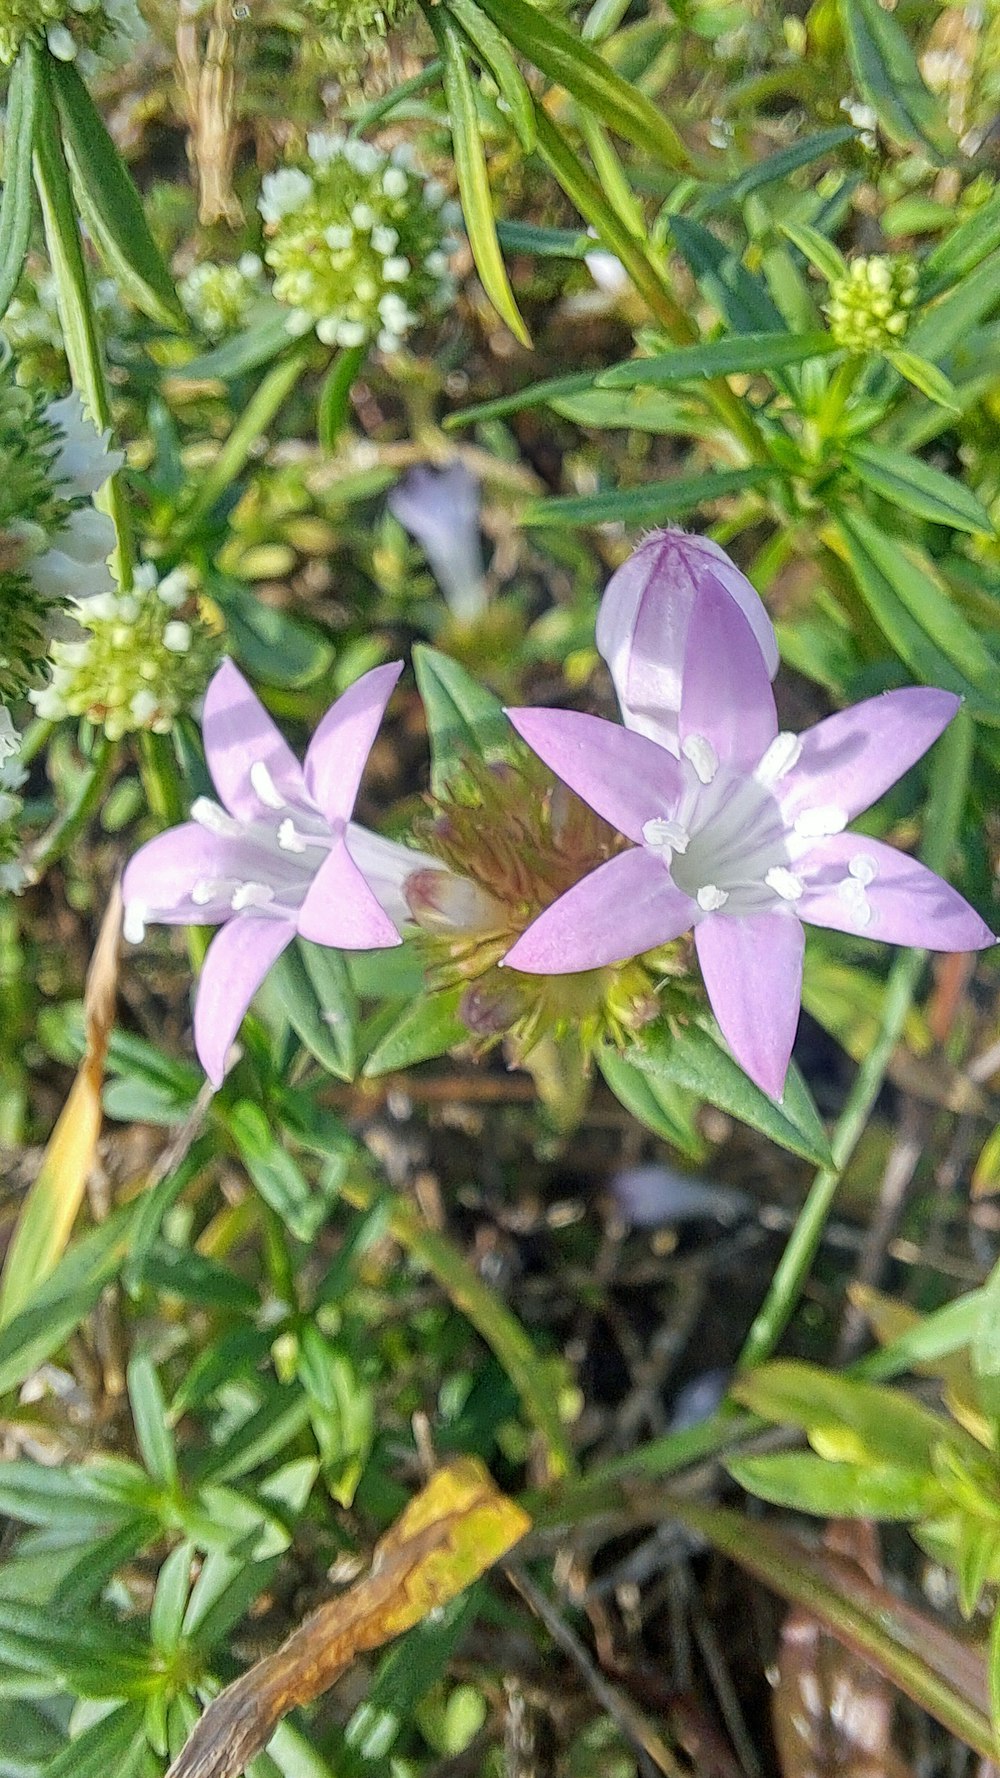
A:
{"x": 887, "y": 74}
{"x": 109, "y": 203}
{"x": 473, "y": 178}
{"x": 741, "y": 298}
{"x": 491, "y": 50}
{"x": 16, "y": 199}
{"x": 464, "y": 720}
{"x": 736, "y": 353}
{"x": 571, "y": 63}
{"x": 652, "y": 504}
{"x": 919, "y": 488}
{"x": 808, "y": 1484}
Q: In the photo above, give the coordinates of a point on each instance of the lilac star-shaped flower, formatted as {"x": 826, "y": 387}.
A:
{"x": 742, "y": 837}
{"x": 279, "y": 854}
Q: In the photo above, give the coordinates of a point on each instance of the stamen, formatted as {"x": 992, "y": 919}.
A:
{"x": 205, "y": 890}
{"x": 852, "y": 893}
{"x": 134, "y": 923}
{"x": 863, "y": 868}
{"x": 711, "y": 898}
{"x": 289, "y": 838}
{"x": 781, "y": 756}
{"x": 784, "y": 882}
{"x": 251, "y": 895}
{"x": 666, "y": 836}
{"x": 263, "y": 784}
{"x": 817, "y": 824}
{"x": 213, "y": 818}
{"x": 702, "y": 755}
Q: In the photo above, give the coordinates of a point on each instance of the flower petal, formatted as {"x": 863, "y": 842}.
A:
{"x": 237, "y": 960}
{"x": 849, "y": 759}
{"x": 727, "y": 696}
{"x": 858, "y": 885}
{"x": 239, "y": 734}
{"x": 752, "y": 967}
{"x": 386, "y": 865}
{"x": 158, "y": 881}
{"x": 625, "y": 777}
{"x": 642, "y": 625}
{"x": 338, "y": 751}
{"x": 625, "y": 907}
{"x": 341, "y": 909}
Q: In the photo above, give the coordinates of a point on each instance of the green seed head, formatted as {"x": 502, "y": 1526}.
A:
{"x": 869, "y": 308}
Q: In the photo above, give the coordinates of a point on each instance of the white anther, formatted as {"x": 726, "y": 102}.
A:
{"x": 289, "y": 838}
{"x": 666, "y": 836}
{"x": 702, "y": 756}
{"x": 852, "y": 893}
{"x": 784, "y": 882}
{"x": 251, "y": 895}
{"x": 863, "y": 868}
{"x": 817, "y": 824}
{"x": 206, "y": 890}
{"x": 783, "y": 753}
{"x": 711, "y": 898}
{"x": 215, "y": 820}
{"x": 264, "y": 785}
{"x": 134, "y": 923}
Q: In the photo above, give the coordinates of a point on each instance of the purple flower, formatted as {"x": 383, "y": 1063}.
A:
{"x": 440, "y": 508}
{"x": 742, "y": 837}
{"x": 643, "y": 623}
{"x": 280, "y": 856}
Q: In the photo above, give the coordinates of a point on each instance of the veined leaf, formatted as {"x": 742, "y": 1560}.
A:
{"x": 808, "y": 1484}
{"x": 491, "y": 50}
{"x": 733, "y": 355}
{"x": 571, "y": 63}
{"x": 848, "y": 1419}
{"x": 948, "y": 323}
{"x": 774, "y": 168}
{"x": 109, "y": 203}
{"x": 652, "y": 504}
{"x": 887, "y": 74}
{"x": 741, "y": 298}
{"x": 473, "y": 178}
{"x": 924, "y": 376}
{"x": 310, "y": 986}
{"x": 815, "y": 247}
{"x": 918, "y": 488}
{"x": 537, "y": 395}
{"x": 18, "y": 146}
{"x": 464, "y": 720}
{"x": 426, "y": 1028}
{"x": 962, "y": 250}
{"x": 665, "y": 1107}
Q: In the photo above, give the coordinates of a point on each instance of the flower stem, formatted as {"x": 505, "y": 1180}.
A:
{"x": 949, "y": 782}
{"x": 73, "y": 299}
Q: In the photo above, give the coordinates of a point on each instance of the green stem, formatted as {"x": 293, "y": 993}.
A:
{"x": 949, "y": 783}
{"x": 73, "y": 299}
{"x": 255, "y": 420}
{"x": 503, "y": 1334}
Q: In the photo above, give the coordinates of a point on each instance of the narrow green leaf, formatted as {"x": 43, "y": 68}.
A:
{"x": 924, "y": 376}
{"x": 694, "y": 1058}
{"x": 102, "y": 1747}
{"x": 976, "y": 1552}
{"x": 652, "y": 504}
{"x": 847, "y": 1418}
{"x": 571, "y": 63}
{"x": 261, "y": 342}
{"x": 947, "y": 324}
{"x": 254, "y": 419}
{"x": 310, "y": 986}
{"x": 149, "y": 1416}
{"x": 741, "y": 298}
{"x": 426, "y": 1029}
{"x": 808, "y": 1484}
{"x": 18, "y": 193}
{"x": 961, "y": 250}
{"x": 60, "y": 1304}
{"x": 545, "y": 243}
{"x": 109, "y": 203}
{"x": 335, "y": 395}
{"x": 985, "y": 1351}
{"x": 919, "y": 488}
{"x": 537, "y": 395}
{"x": 277, "y": 1176}
{"x": 886, "y": 71}
{"x": 773, "y": 169}
{"x": 491, "y": 51}
{"x": 732, "y": 355}
{"x": 473, "y": 177}
{"x": 173, "y": 1584}
{"x": 815, "y": 247}
{"x": 464, "y": 720}
{"x": 662, "y": 1105}
{"x": 273, "y": 645}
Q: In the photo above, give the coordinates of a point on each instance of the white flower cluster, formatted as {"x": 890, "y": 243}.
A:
{"x": 359, "y": 242}
{"x": 33, "y": 330}
{"x": 12, "y": 776}
{"x": 138, "y": 663}
{"x": 219, "y": 298}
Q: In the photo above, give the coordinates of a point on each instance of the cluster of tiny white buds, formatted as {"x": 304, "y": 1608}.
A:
{"x": 359, "y": 242}
{"x": 869, "y": 308}
{"x": 219, "y": 298}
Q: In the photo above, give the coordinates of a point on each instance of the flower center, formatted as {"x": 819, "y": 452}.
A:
{"x": 273, "y": 861}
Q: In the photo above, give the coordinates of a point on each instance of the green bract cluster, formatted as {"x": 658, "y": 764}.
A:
{"x": 12, "y": 776}
{"x": 67, "y": 26}
{"x": 219, "y": 298}
{"x": 138, "y": 663}
{"x": 359, "y": 242}
{"x": 869, "y": 309}
{"x": 364, "y": 20}
{"x": 31, "y": 509}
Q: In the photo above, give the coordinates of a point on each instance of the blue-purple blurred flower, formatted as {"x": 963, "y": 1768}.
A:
{"x": 440, "y": 509}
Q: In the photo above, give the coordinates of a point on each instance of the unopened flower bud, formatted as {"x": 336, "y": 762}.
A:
{"x": 869, "y": 308}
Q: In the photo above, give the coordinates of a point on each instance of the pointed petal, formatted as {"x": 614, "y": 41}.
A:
{"x": 385, "y": 866}
{"x": 626, "y": 778}
{"x": 752, "y": 967}
{"x": 237, "y": 960}
{"x": 643, "y": 623}
{"x": 887, "y": 895}
{"x": 623, "y": 908}
{"x": 727, "y": 694}
{"x": 848, "y": 760}
{"x": 338, "y": 751}
{"x": 340, "y": 909}
{"x": 158, "y": 881}
{"x": 238, "y": 733}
